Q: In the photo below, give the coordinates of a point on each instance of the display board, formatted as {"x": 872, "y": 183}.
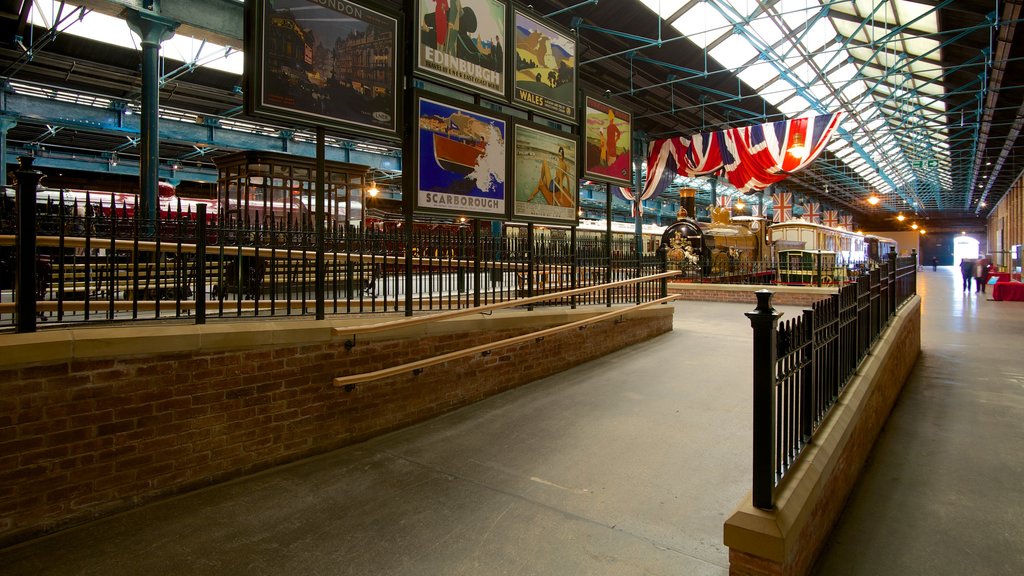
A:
{"x": 463, "y": 43}
{"x": 545, "y": 65}
{"x": 608, "y": 138}
{"x": 460, "y": 159}
{"x": 545, "y": 176}
{"x": 333, "y": 64}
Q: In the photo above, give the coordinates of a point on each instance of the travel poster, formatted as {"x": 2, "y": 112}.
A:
{"x": 609, "y": 152}
{"x": 545, "y": 176}
{"x": 545, "y": 64}
{"x": 463, "y": 41}
{"x": 461, "y": 161}
{"x": 332, "y": 63}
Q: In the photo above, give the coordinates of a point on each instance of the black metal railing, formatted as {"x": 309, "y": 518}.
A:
{"x": 802, "y": 365}
{"x": 97, "y": 261}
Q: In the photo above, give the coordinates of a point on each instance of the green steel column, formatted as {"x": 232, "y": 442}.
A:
{"x": 6, "y": 123}
{"x": 152, "y": 30}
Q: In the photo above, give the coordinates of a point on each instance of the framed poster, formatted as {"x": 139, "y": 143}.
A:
{"x": 463, "y": 42}
{"x": 324, "y": 63}
{"x": 544, "y": 176}
{"x": 461, "y": 161}
{"x": 545, "y": 63}
{"x": 608, "y": 139}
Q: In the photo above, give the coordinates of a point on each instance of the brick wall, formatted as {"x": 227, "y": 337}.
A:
{"x": 783, "y": 295}
{"x": 81, "y": 438}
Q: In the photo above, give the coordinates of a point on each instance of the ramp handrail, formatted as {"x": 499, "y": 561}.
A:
{"x": 484, "y": 348}
{"x": 405, "y": 322}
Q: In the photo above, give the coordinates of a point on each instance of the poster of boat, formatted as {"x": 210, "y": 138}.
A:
{"x": 545, "y": 176}
{"x": 545, "y": 63}
{"x": 464, "y": 42}
{"x": 461, "y": 160}
{"x": 334, "y": 64}
{"x": 608, "y": 153}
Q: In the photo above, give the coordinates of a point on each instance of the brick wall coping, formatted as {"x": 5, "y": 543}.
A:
{"x": 774, "y": 535}
{"x": 698, "y": 286}
{"x": 50, "y": 346}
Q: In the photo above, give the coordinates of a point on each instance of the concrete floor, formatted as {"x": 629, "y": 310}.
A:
{"x": 943, "y": 492}
{"x": 628, "y": 465}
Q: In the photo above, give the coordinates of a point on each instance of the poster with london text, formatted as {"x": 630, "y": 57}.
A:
{"x": 461, "y": 161}
{"x": 545, "y": 176}
{"x": 545, "y": 64}
{"x": 333, "y": 64}
{"x": 608, "y": 149}
{"x": 463, "y": 42}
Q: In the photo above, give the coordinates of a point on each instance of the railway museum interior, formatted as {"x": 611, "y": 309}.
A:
{"x": 490, "y": 286}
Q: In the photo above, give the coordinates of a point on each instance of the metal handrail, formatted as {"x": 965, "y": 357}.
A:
{"x": 406, "y": 322}
{"x": 482, "y": 348}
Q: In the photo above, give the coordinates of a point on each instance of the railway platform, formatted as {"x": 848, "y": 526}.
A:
{"x": 627, "y": 465}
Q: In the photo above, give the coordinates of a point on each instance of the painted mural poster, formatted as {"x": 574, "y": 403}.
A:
{"x": 461, "y": 161}
{"x": 545, "y": 176}
{"x": 332, "y": 63}
{"x": 463, "y": 41}
{"x": 545, "y": 64}
{"x": 609, "y": 139}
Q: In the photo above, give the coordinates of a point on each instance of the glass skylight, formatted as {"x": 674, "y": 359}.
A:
{"x": 863, "y": 57}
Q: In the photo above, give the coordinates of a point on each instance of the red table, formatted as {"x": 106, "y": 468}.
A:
{"x": 1008, "y": 291}
{"x": 1000, "y": 276}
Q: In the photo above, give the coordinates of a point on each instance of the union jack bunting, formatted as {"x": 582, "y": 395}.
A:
{"x": 627, "y": 194}
{"x": 830, "y": 218}
{"x": 782, "y": 206}
{"x": 754, "y": 157}
{"x": 846, "y": 221}
{"x": 723, "y": 201}
{"x": 812, "y": 212}
{"x": 755, "y": 209}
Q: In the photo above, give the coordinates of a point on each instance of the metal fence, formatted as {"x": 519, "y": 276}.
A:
{"x": 99, "y": 262}
{"x": 802, "y": 365}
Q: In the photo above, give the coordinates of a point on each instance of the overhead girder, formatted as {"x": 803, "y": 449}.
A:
{"x": 61, "y": 115}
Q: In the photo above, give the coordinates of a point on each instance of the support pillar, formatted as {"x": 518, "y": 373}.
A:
{"x": 6, "y": 123}
{"x": 152, "y": 29}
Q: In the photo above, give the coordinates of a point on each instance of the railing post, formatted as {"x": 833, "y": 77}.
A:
{"x": 913, "y": 274}
{"x": 818, "y": 260}
{"x": 663, "y": 267}
{"x": 200, "y": 263}
{"x": 807, "y": 383}
{"x": 476, "y": 261}
{"x": 25, "y": 244}
{"x": 530, "y": 251}
{"x": 764, "y": 320}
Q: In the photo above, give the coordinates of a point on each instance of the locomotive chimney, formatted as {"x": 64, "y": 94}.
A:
{"x": 687, "y": 203}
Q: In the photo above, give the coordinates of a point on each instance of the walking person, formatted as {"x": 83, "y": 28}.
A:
{"x": 967, "y": 271}
{"x": 981, "y": 273}
{"x": 935, "y": 264}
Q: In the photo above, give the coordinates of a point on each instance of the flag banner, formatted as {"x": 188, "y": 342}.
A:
{"x": 753, "y": 157}
{"x": 846, "y": 222}
{"x": 627, "y": 194}
{"x": 723, "y": 201}
{"x": 812, "y": 212}
{"x": 830, "y": 218}
{"x": 782, "y": 206}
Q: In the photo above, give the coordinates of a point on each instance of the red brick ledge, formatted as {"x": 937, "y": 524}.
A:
{"x": 744, "y": 293}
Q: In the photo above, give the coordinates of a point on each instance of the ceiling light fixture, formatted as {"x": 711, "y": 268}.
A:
{"x": 901, "y": 217}
{"x": 798, "y": 150}
{"x": 873, "y": 200}
{"x": 914, "y": 226}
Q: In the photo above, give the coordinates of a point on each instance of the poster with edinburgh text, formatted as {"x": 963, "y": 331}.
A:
{"x": 545, "y": 63}
{"x": 609, "y": 150}
{"x": 463, "y": 42}
{"x": 461, "y": 160}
